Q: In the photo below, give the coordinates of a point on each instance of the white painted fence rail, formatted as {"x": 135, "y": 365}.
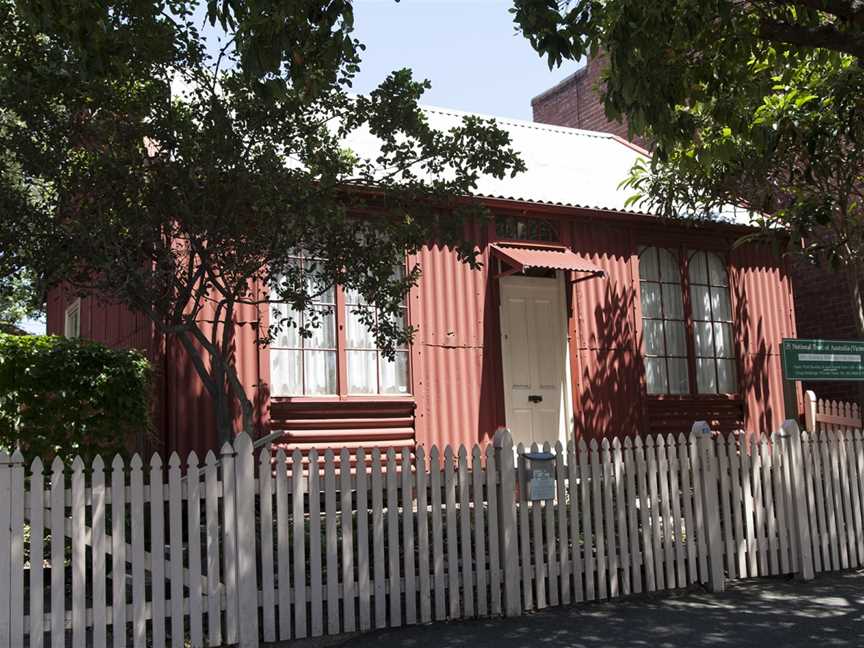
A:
{"x": 272, "y": 547}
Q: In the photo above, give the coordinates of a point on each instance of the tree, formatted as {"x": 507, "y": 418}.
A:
{"x": 18, "y": 301}
{"x": 756, "y": 104}
{"x": 179, "y": 175}
{"x": 21, "y": 297}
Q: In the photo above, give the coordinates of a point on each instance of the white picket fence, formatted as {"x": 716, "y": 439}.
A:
{"x": 247, "y": 549}
{"x": 822, "y": 414}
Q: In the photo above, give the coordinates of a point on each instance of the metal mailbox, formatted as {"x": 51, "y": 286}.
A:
{"x": 539, "y": 475}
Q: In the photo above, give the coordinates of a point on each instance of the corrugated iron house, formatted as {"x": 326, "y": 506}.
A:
{"x": 587, "y": 318}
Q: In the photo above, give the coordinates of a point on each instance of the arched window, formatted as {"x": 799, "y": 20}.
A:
{"x": 664, "y": 340}
{"x": 667, "y": 325}
{"x": 712, "y": 324}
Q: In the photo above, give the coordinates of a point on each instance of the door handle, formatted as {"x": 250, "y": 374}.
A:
{"x": 535, "y": 398}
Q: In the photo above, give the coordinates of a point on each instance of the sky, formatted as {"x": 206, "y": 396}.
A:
{"x": 468, "y": 49}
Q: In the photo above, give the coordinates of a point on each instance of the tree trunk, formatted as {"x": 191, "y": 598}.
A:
{"x": 222, "y": 384}
{"x": 230, "y": 388}
{"x": 222, "y": 402}
{"x": 246, "y": 408}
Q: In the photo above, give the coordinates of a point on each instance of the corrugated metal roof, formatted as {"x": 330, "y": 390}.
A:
{"x": 565, "y": 166}
{"x": 521, "y": 257}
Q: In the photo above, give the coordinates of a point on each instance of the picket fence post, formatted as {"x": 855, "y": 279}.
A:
{"x": 244, "y": 507}
{"x": 707, "y": 462}
{"x": 508, "y": 545}
{"x": 810, "y": 411}
{"x": 797, "y": 484}
{"x": 5, "y": 548}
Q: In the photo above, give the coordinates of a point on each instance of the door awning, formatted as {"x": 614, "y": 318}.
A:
{"x": 552, "y": 257}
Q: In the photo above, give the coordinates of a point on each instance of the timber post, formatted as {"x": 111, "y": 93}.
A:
{"x": 795, "y": 482}
{"x": 508, "y": 542}
{"x": 708, "y": 474}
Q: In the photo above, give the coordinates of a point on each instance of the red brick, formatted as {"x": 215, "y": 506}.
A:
{"x": 577, "y": 102}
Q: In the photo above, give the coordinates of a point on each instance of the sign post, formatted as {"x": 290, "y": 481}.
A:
{"x": 818, "y": 360}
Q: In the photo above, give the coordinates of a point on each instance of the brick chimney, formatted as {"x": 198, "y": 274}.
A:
{"x": 575, "y": 102}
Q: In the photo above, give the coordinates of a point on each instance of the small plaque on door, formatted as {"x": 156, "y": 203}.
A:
{"x": 539, "y": 475}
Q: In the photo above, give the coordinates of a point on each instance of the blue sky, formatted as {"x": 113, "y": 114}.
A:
{"x": 468, "y": 49}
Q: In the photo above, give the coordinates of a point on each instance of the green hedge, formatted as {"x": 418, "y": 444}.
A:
{"x": 61, "y": 397}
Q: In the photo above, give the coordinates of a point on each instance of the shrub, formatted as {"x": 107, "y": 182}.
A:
{"x": 62, "y": 397}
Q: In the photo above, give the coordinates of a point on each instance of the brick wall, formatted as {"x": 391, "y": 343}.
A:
{"x": 576, "y": 103}
{"x": 823, "y": 309}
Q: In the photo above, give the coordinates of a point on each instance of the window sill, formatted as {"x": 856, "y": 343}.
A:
{"x": 695, "y": 397}
{"x": 376, "y": 398}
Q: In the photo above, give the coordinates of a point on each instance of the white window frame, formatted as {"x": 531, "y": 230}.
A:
{"x": 343, "y": 350}
{"x": 73, "y": 309}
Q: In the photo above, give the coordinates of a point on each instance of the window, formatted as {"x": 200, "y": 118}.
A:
{"x": 525, "y": 229}
{"x": 663, "y": 324}
{"x": 310, "y": 366}
{"x": 712, "y": 324}
{"x": 369, "y": 372}
{"x": 305, "y": 365}
{"x": 668, "y": 328}
{"x": 72, "y": 320}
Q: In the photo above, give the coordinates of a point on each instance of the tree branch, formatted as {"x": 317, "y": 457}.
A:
{"x": 198, "y": 363}
{"x": 824, "y": 37}
{"x": 852, "y": 10}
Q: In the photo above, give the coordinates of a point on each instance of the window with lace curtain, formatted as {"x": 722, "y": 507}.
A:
{"x": 687, "y": 338}
{"x": 300, "y": 365}
{"x": 369, "y": 371}
{"x": 712, "y": 324}
{"x": 340, "y": 357}
{"x": 664, "y": 341}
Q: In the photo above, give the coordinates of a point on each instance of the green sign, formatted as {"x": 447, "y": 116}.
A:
{"x": 823, "y": 359}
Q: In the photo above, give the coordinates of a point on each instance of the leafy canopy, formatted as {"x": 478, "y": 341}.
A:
{"x": 757, "y": 104}
{"x": 177, "y": 154}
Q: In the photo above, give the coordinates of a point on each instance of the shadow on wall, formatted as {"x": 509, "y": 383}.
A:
{"x": 753, "y": 363}
{"x": 610, "y": 397}
{"x": 189, "y": 423}
{"x": 491, "y": 413}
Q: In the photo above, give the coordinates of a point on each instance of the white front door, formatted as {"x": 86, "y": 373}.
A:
{"x": 534, "y": 352}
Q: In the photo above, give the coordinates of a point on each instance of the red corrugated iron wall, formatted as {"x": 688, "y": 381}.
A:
{"x": 457, "y": 356}
{"x": 111, "y": 324}
{"x": 189, "y": 421}
{"x": 607, "y": 389}
{"x": 609, "y": 394}
{"x": 764, "y": 315}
